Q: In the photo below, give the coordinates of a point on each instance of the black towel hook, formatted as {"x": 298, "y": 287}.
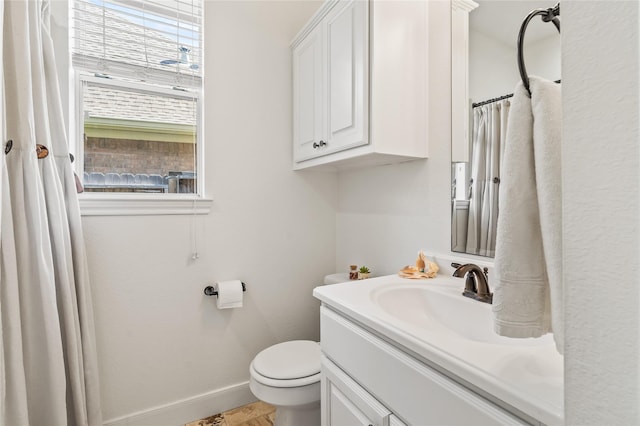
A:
{"x": 548, "y": 15}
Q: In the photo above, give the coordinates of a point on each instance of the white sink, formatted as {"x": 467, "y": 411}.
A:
{"x": 442, "y": 308}
{"x": 434, "y": 322}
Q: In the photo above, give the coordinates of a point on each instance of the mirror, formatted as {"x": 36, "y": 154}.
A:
{"x": 484, "y": 74}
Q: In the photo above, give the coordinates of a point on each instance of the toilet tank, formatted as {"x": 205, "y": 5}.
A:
{"x": 336, "y": 278}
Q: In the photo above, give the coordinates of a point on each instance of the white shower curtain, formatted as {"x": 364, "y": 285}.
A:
{"x": 489, "y": 132}
{"x": 48, "y": 363}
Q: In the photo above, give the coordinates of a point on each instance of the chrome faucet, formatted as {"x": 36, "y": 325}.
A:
{"x": 476, "y": 285}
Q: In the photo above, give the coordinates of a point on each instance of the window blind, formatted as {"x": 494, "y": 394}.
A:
{"x": 158, "y": 41}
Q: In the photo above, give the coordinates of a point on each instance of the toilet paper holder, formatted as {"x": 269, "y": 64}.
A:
{"x": 211, "y": 290}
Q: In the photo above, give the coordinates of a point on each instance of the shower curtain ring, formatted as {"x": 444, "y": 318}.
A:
{"x": 42, "y": 151}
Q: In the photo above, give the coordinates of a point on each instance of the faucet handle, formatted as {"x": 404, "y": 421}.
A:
{"x": 456, "y": 265}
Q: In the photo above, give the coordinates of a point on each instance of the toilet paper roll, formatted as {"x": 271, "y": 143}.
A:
{"x": 229, "y": 294}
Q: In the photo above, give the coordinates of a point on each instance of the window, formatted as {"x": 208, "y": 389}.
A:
{"x": 138, "y": 95}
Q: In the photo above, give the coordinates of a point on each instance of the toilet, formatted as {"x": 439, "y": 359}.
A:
{"x": 287, "y": 376}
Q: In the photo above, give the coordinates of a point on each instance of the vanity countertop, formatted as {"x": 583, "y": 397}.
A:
{"x": 526, "y": 374}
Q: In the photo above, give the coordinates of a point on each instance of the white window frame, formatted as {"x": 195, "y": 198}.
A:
{"x": 135, "y": 203}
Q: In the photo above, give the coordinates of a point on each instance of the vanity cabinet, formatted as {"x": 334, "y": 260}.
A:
{"x": 360, "y": 84}
{"x": 368, "y": 381}
{"x": 344, "y": 402}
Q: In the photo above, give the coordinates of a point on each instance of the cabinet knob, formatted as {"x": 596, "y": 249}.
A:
{"x": 319, "y": 145}
{"x": 315, "y": 145}
{"x": 323, "y": 143}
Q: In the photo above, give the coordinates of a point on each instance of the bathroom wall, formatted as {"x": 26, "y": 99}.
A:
{"x": 166, "y": 354}
{"x": 601, "y": 235}
{"x": 543, "y": 58}
{"x": 387, "y": 214}
{"x": 493, "y": 69}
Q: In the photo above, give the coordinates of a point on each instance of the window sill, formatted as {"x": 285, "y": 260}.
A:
{"x": 142, "y": 205}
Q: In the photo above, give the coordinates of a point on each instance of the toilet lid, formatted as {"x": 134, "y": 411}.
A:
{"x": 289, "y": 360}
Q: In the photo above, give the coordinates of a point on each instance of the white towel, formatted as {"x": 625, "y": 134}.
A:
{"x": 527, "y": 299}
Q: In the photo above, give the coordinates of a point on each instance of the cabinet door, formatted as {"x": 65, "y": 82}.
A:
{"x": 394, "y": 421}
{"x": 347, "y": 27}
{"x": 308, "y": 99}
{"x": 345, "y": 403}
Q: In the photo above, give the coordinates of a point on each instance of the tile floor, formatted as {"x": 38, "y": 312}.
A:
{"x": 255, "y": 414}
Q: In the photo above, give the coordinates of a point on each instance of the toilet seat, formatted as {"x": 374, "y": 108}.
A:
{"x": 288, "y": 364}
{"x": 288, "y": 383}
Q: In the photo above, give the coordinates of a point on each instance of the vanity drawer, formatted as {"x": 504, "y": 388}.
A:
{"x": 413, "y": 391}
{"x": 344, "y": 402}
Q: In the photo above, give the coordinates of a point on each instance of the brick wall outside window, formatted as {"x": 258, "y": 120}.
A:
{"x": 137, "y": 156}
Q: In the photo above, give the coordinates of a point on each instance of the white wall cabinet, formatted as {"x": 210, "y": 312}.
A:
{"x": 360, "y": 84}
{"x": 358, "y": 364}
{"x": 331, "y": 84}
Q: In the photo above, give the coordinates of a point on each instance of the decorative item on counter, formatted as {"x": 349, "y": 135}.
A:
{"x": 423, "y": 269}
{"x": 363, "y": 273}
{"x": 353, "y": 272}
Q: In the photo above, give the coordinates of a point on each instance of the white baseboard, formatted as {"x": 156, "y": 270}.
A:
{"x": 189, "y": 409}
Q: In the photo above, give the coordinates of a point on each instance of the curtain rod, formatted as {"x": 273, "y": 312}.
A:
{"x": 492, "y": 100}
{"x": 500, "y": 98}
